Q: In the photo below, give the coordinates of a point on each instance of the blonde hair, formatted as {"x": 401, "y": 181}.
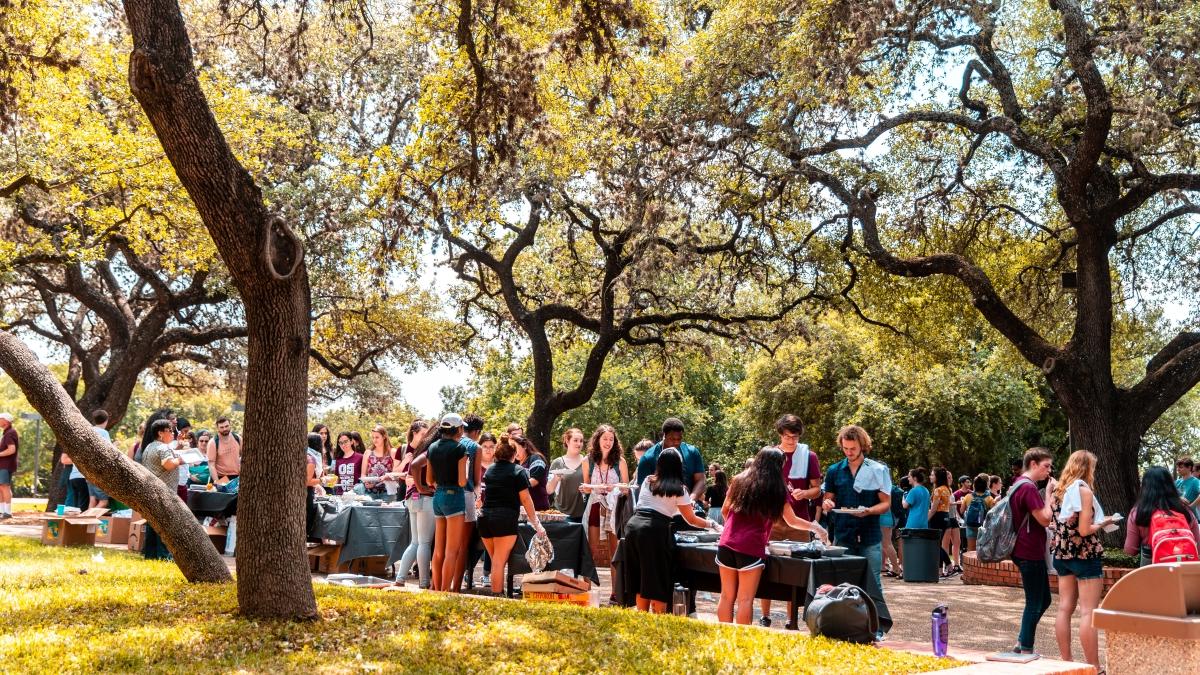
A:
{"x": 1080, "y": 465}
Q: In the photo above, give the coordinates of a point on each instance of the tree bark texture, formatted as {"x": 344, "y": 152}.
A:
{"x": 266, "y": 261}
{"x": 113, "y": 471}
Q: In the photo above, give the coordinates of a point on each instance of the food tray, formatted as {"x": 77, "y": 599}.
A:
{"x": 834, "y": 551}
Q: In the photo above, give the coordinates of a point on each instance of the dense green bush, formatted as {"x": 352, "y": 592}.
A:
{"x": 66, "y": 612}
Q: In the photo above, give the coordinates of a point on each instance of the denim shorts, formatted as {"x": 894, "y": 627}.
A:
{"x": 5, "y": 477}
{"x": 1081, "y": 568}
{"x": 972, "y": 532}
{"x": 95, "y": 491}
{"x": 449, "y": 502}
{"x": 886, "y": 520}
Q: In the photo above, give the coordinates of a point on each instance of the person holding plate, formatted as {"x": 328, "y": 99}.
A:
{"x": 606, "y": 471}
{"x": 860, "y": 490}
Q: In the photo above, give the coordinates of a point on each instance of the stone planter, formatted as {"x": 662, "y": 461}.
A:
{"x": 1005, "y": 573}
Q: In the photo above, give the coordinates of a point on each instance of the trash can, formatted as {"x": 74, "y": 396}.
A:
{"x": 1151, "y": 618}
{"x": 921, "y": 553}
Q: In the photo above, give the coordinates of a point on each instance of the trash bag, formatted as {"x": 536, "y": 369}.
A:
{"x": 540, "y": 553}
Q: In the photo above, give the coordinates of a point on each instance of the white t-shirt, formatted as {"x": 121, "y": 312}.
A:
{"x": 668, "y": 506}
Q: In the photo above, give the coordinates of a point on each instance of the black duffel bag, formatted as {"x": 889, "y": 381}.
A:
{"x": 844, "y": 613}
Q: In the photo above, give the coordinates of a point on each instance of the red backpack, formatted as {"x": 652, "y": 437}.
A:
{"x": 1171, "y": 538}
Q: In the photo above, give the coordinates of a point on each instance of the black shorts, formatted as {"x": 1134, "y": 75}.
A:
{"x": 942, "y": 521}
{"x": 649, "y": 555}
{"x": 497, "y": 522}
{"x": 727, "y": 557}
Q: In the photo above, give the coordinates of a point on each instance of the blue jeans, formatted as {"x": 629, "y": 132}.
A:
{"x": 1035, "y": 578}
{"x": 420, "y": 548}
{"x": 874, "y": 555}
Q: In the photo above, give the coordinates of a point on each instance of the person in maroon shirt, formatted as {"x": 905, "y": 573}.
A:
{"x": 802, "y": 476}
{"x": 9, "y": 444}
{"x": 1031, "y": 513}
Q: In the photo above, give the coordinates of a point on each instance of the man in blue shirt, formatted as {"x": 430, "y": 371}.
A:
{"x": 866, "y": 486}
{"x": 693, "y": 463}
{"x": 1187, "y": 484}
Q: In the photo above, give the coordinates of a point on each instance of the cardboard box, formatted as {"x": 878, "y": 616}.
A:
{"x": 556, "y": 577}
{"x": 216, "y": 534}
{"x": 371, "y": 566}
{"x": 557, "y": 589}
{"x": 77, "y": 530}
{"x": 581, "y": 599}
{"x": 324, "y": 559}
{"x": 137, "y": 535}
{"x": 113, "y": 530}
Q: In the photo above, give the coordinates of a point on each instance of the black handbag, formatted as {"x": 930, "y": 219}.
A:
{"x": 844, "y": 613}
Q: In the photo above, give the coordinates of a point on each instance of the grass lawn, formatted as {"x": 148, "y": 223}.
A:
{"x": 62, "y": 611}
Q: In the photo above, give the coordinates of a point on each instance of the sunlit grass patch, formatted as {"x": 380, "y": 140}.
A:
{"x": 66, "y": 612}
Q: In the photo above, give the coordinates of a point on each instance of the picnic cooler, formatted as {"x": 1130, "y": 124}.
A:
{"x": 920, "y": 548}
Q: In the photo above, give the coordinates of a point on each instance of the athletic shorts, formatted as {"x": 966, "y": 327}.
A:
{"x": 495, "y": 522}
{"x": 469, "y": 514}
{"x": 731, "y": 559}
{"x": 5, "y": 477}
{"x": 449, "y": 502}
{"x": 1081, "y": 568}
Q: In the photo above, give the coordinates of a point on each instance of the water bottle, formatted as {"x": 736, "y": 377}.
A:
{"x": 941, "y": 630}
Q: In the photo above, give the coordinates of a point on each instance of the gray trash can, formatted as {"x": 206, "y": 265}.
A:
{"x": 921, "y": 556}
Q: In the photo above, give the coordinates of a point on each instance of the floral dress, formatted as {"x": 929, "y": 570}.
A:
{"x": 1067, "y": 544}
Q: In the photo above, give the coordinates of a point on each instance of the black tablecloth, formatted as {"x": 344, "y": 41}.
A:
{"x": 790, "y": 579}
{"x": 366, "y": 531}
{"x": 570, "y": 550}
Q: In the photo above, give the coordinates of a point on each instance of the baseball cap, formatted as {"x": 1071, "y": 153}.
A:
{"x": 452, "y": 421}
{"x": 7, "y": 417}
{"x": 964, "y": 479}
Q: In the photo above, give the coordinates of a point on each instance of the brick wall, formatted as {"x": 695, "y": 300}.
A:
{"x": 1005, "y": 573}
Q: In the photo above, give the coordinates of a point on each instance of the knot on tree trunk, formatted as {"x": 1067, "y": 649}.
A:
{"x": 282, "y": 250}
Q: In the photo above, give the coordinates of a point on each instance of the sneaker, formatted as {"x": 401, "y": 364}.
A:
{"x": 485, "y": 580}
{"x": 764, "y": 621}
{"x": 5, "y": 516}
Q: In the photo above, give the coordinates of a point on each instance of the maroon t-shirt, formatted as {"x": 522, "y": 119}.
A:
{"x": 1031, "y": 536}
{"x": 801, "y": 507}
{"x": 348, "y": 470}
{"x": 10, "y": 438}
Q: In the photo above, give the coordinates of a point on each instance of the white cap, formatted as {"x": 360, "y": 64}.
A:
{"x": 452, "y": 421}
{"x": 6, "y": 417}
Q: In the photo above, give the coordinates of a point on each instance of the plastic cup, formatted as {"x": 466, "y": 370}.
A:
{"x": 62, "y": 509}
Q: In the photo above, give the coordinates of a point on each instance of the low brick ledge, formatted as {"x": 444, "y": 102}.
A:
{"x": 1005, "y": 573}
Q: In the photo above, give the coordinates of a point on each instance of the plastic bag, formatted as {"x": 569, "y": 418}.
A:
{"x": 540, "y": 553}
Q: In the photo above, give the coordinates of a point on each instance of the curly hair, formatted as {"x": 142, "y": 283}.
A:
{"x": 596, "y": 455}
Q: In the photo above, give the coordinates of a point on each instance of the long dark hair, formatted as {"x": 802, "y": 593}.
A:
{"x": 595, "y": 455}
{"x": 941, "y": 477}
{"x": 1158, "y": 494}
{"x": 531, "y": 450}
{"x": 149, "y": 436}
{"x": 761, "y": 490}
{"x": 356, "y": 438}
{"x": 327, "y": 449}
{"x": 315, "y": 442}
{"x": 667, "y": 480}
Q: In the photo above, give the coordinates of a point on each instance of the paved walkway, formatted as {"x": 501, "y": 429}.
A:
{"x": 982, "y": 618}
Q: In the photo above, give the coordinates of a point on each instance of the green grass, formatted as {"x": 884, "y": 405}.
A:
{"x": 62, "y": 611}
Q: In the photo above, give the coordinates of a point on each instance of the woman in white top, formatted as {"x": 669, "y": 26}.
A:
{"x": 606, "y": 471}
{"x": 648, "y": 539}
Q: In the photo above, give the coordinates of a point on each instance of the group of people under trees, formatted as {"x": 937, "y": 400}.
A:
{"x": 462, "y": 484}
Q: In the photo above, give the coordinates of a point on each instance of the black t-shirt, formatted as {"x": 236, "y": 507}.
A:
{"x": 502, "y": 484}
{"x": 444, "y": 455}
{"x": 715, "y": 495}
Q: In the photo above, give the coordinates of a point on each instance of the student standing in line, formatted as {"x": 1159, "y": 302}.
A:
{"x": 1077, "y": 518}
{"x": 757, "y": 501}
{"x": 348, "y": 465}
{"x": 419, "y": 500}
{"x": 917, "y": 500}
{"x": 856, "y": 482}
{"x": 1158, "y": 494}
{"x": 565, "y": 486}
{"x": 506, "y": 492}
{"x": 1031, "y": 514}
{"x": 1188, "y": 484}
{"x": 447, "y": 471}
{"x": 606, "y": 472}
{"x": 976, "y": 504}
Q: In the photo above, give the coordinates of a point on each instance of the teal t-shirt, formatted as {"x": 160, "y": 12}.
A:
{"x": 1189, "y": 488}
{"x": 918, "y": 508}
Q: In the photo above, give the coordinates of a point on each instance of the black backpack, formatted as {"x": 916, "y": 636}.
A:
{"x": 899, "y": 513}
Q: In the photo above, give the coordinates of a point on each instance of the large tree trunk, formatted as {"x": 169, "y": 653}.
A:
{"x": 266, "y": 261}
{"x": 112, "y": 470}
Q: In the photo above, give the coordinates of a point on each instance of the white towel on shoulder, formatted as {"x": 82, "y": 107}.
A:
{"x": 872, "y": 476}
{"x": 1072, "y": 503}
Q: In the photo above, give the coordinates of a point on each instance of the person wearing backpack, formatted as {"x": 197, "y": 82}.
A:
{"x": 1159, "y": 497}
{"x": 1075, "y": 543}
{"x": 975, "y": 506}
{"x": 1030, "y": 511}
